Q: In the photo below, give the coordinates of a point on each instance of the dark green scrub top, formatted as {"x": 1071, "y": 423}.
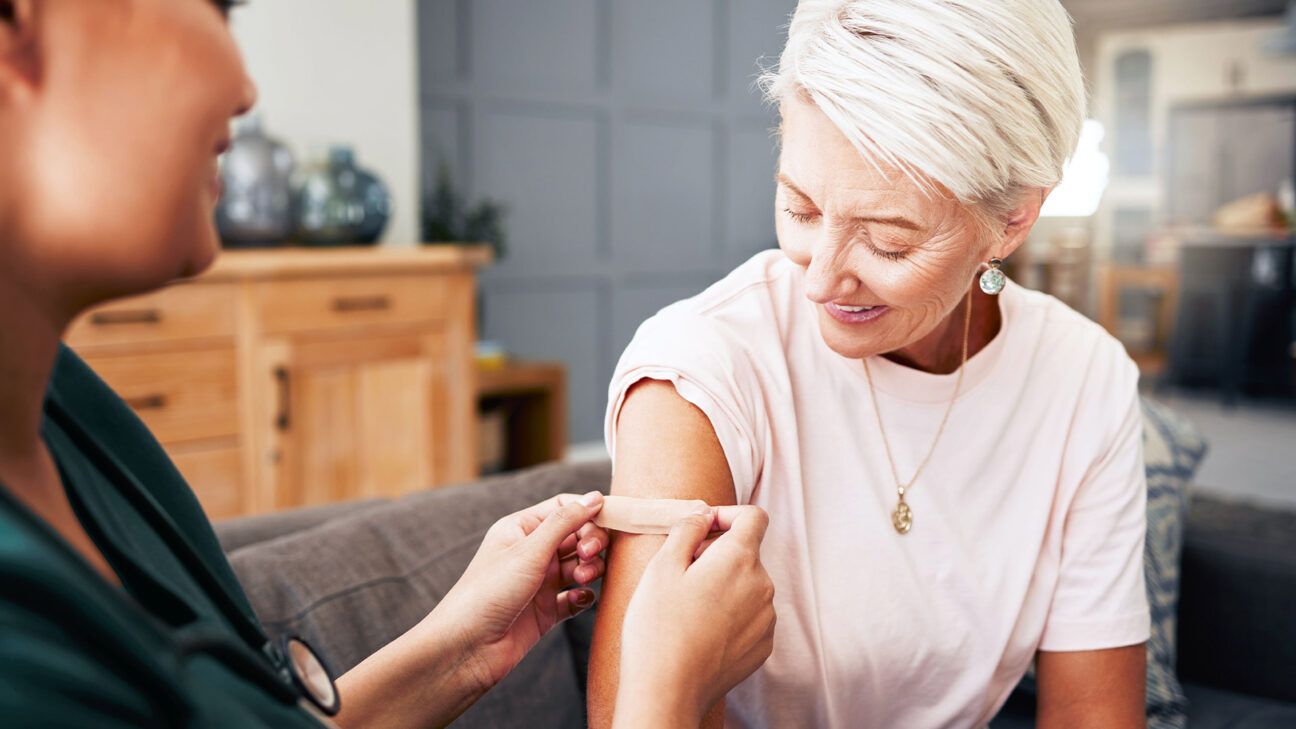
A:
{"x": 76, "y": 651}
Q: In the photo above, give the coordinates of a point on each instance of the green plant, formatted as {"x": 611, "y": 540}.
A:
{"x": 446, "y": 217}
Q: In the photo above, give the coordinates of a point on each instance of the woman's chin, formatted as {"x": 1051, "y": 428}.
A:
{"x": 847, "y": 342}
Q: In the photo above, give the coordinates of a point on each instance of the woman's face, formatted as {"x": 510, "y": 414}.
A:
{"x": 867, "y": 239}
{"x": 111, "y": 121}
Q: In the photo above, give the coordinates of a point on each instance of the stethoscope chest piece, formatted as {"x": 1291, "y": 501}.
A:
{"x": 310, "y": 676}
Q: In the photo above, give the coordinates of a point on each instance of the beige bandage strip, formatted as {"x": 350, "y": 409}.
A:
{"x": 644, "y": 516}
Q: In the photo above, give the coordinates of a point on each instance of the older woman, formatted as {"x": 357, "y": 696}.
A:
{"x": 117, "y": 607}
{"x": 952, "y": 464}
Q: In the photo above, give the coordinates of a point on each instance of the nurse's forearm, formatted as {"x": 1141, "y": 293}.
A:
{"x": 421, "y": 679}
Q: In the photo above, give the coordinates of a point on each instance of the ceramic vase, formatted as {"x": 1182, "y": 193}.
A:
{"x": 339, "y": 203}
{"x": 255, "y": 209}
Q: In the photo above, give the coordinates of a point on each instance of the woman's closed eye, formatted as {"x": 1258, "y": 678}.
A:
{"x": 889, "y": 252}
{"x": 800, "y": 217}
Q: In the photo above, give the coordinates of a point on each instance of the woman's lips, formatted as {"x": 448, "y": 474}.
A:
{"x": 854, "y": 314}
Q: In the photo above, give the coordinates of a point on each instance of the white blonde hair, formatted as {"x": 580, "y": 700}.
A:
{"x": 985, "y": 97}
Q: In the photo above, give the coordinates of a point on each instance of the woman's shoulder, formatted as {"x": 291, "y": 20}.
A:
{"x": 1064, "y": 337}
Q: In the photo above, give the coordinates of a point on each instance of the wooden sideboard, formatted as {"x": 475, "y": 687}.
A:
{"x": 293, "y": 377}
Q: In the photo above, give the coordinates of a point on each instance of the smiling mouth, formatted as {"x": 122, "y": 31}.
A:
{"x": 855, "y": 314}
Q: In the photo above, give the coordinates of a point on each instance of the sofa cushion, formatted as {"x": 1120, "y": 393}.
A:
{"x": 248, "y": 530}
{"x": 1209, "y": 708}
{"x": 1212, "y": 708}
{"x": 1237, "y": 625}
{"x": 351, "y": 585}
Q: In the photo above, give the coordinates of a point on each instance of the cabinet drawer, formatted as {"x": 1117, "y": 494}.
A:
{"x": 294, "y": 306}
{"x": 184, "y": 311}
{"x": 181, "y": 396}
{"x": 216, "y": 477}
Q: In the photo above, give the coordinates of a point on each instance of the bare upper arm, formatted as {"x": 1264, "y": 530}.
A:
{"x": 665, "y": 448}
{"x": 1101, "y": 688}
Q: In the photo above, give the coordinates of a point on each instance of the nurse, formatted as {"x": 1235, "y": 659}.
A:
{"x": 117, "y": 606}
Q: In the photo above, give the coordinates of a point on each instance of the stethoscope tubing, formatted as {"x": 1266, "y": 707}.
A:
{"x": 239, "y": 656}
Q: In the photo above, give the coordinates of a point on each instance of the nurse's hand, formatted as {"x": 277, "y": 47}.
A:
{"x": 529, "y": 574}
{"x": 701, "y": 620}
{"x": 517, "y": 587}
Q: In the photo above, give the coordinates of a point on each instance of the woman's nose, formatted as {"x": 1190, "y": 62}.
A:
{"x": 827, "y": 277}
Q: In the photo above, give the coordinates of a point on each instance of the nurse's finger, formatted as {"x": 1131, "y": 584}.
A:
{"x": 685, "y": 538}
{"x": 745, "y": 523}
{"x": 537, "y": 513}
{"x": 564, "y": 522}
{"x": 705, "y": 545}
{"x": 569, "y": 546}
{"x": 574, "y": 602}
{"x": 592, "y": 539}
{"x": 580, "y": 572}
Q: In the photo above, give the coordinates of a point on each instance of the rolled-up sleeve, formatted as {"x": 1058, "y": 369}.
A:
{"x": 710, "y": 369}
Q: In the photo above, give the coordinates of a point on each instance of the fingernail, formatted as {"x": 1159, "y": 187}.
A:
{"x": 591, "y": 498}
{"x": 590, "y": 547}
{"x": 702, "y": 511}
{"x": 584, "y": 598}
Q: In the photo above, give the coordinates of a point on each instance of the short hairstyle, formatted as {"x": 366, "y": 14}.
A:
{"x": 985, "y": 97}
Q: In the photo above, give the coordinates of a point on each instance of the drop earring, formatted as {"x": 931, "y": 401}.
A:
{"x": 993, "y": 280}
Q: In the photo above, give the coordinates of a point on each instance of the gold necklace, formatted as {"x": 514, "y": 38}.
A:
{"x": 902, "y": 517}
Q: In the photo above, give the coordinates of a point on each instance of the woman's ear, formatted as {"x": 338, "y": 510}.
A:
{"x": 18, "y": 57}
{"x": 1018, "y": 223}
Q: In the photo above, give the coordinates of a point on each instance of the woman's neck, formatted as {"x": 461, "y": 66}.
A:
{"x": 941, "y": 351}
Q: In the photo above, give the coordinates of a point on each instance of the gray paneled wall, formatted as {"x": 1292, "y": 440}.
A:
{"x": 633, "y": 151}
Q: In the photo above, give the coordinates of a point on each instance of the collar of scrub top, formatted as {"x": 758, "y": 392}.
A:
{"x": 298, "y": 670}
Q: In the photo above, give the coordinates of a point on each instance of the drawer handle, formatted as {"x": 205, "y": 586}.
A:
{"x": 139, "y": 316}
{"x": 283, "y": 419}
{"x": 147, "y": 402}
{"x": 344, "y": 304}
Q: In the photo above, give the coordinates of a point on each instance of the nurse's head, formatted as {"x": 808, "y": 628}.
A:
{"x": 919, "y": 140}
{"x": 112, "y": 115}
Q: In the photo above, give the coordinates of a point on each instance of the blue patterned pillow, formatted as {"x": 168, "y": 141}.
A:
{"x": 1172, "y": 450}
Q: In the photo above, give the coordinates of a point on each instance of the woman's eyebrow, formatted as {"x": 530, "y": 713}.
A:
{"x": 899, "y": 221}
{"x": 791, "y": 187}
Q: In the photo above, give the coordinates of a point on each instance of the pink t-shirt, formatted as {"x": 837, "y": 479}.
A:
{"x": 1028, "y": 521}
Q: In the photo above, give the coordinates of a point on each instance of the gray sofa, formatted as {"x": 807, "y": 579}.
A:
{"x": 351, "y": 577}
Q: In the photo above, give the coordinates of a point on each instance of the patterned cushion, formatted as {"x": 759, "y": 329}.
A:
{"x": 1172, "y": 450}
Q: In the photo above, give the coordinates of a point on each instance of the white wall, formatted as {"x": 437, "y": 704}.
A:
{"x": 1189, "y": 62}
{"x": 342, "y": 71}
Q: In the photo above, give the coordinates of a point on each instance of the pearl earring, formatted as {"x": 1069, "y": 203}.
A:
{"x": 993, "y": 280}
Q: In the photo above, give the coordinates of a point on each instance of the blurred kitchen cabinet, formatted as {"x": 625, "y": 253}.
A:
{"x": 1220, "y": 151}
{"x": 359, "y": 417}
{"x": 295, "y": 377}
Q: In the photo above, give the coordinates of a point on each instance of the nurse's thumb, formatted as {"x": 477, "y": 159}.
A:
{"x": 686, "y": 536}
{"x": 564, "y": 521}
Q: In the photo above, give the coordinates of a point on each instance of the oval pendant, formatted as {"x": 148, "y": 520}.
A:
{"x": 902, "y": 518}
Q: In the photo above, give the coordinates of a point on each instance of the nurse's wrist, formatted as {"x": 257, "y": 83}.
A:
{"x": 653, "y": 705}
{"x": 422, "y": 678}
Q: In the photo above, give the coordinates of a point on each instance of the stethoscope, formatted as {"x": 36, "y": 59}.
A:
{"x": 289, "y": 669}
